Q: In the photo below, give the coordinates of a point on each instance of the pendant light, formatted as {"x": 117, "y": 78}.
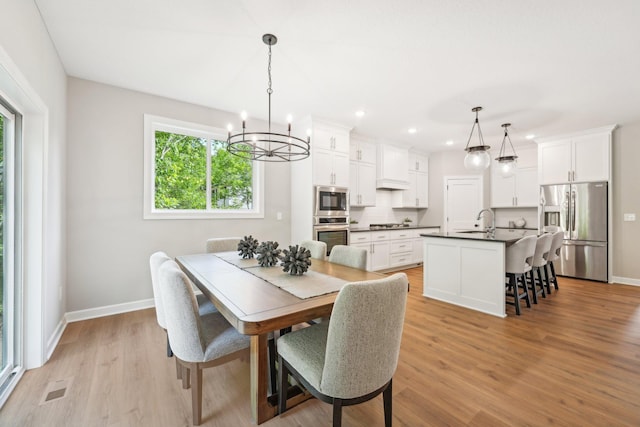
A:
{"x": 507, "y": 163}
{"x": 267, "y": 146}
{"x": 477, "y": 158}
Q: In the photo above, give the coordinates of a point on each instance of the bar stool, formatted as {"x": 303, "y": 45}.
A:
{"x": 518, "y": 258}
{"x": 554, "y": 255}
{"x": 543, "y": 244}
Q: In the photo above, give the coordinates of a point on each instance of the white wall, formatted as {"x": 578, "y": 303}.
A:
{"x": 108, "y": 241}
{"x": 35, "y": 82}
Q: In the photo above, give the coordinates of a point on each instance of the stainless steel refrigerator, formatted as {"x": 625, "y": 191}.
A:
{"x": 580, "y": 210}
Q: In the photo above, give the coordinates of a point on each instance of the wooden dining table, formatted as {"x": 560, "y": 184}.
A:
{"x": 256, "y": 307}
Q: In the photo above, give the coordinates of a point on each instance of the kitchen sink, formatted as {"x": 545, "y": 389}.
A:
{"x": 472, "y": 231}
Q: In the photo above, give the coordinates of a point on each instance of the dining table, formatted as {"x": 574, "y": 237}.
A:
{"x": 259, "y": 300}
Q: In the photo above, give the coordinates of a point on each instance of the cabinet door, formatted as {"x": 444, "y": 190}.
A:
{"x": 591, "y": 158}
{"x": 354, "y": 192}
{"x": 418, "y": 162}
{"x": 527, "y": 190}
{"x": 322, "y": 138}
{"x": 340, "y": 169}
{"x": 422, "y": 190}
{"x": 379, "y": 255}
{"x": 408, "y": 197}
{"x": 354, "y": 151}
{"x": 340, "y": 141}
{"x": 554, "y": 162}
{"x": 368, "y": 152}
{"x": 323, "y": 167}
{"x": 367, "y": 184}
{"x": 502, "y": 189}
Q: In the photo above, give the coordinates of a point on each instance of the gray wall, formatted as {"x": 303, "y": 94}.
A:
{"x": 108, "y": 242}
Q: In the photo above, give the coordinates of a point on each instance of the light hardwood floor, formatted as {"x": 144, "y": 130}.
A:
{"x": 573, "y": 360}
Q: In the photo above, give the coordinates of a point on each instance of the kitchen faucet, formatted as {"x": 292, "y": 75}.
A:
{"x": 491, "y": 229}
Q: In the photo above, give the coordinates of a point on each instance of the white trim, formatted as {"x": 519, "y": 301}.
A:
{"x": 602, "y": 129}
{"x": 153, "y": 123}
{"x": 55, "y": 338}
{"x": 13, "y": 382}
{"x": 625, "y": 281}
{"x": 446, "y": 180}
{"x": 108, "y": 310}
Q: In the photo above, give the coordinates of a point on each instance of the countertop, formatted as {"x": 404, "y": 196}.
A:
{"x": 508, "y": 236}
{"x": 411, "y": 227}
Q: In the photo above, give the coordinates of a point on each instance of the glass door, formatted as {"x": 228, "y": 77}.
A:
{"x": 7, "y": 282}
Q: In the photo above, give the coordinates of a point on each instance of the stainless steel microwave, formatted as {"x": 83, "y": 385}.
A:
{"x": 331, "y": 201}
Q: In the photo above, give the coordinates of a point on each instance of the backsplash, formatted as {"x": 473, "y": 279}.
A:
{"x": 504, "y": 215}
{"x": 382, "y": 213}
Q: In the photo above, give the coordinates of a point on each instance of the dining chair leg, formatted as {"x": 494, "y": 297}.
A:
{"x": 387, "y": 401}
{"x": 178, "y": 369}
{"x": 283, "y": 385}
{"x": 273, "y": 374}
{"x": 169, "y": 351}
{"x": 196, "y": 393}
{"x": 186, "y": 377}
{"x": 337, "y": 412}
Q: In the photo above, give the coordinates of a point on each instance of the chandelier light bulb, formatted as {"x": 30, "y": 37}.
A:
{"x": 477, "y": 157}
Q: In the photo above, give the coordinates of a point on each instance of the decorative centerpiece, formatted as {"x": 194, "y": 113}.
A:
{"x": 247, "y": 247}
{"x": 268, "y": 254}
{"x": 296, "y": 260}
{"x": 407, "y": 222}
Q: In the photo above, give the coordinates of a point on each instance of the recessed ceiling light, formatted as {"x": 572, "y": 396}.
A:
{"x": 530, "y": 136}
{"x": 449, "y": 142}
{"x": 413, "y": 130}
{"x": 359, "y": 113}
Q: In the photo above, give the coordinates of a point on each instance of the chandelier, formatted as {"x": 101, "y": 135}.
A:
{"x": 267, "y": 146}
{"x": 507, "y": 163}
{"x": 477, "y": 157}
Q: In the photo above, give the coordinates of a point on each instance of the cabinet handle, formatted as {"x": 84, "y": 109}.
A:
{"x": 417, "y": 166}
{"x": 573, "y": 175}
{"x": 568, "y": 175}
{"x": 359, "y": 154}
{"x": 373, "y": 248}
{"x": 516, "y": 200}
{"x": 416, "y": 201}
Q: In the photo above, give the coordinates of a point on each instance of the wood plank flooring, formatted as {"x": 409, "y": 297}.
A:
{"x": 572, "y": 360}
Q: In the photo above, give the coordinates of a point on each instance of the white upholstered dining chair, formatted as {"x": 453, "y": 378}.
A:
{"x": 204, "y": 305}
{"x": 197, "y": 342}
{"x": 318, "y": 249}
{"x": 351, "y": 358}
{"x": 222, "y": 244}
{"x": 349, "y": 256}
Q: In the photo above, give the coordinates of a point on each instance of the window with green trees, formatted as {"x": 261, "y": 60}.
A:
{"x": 193, "y": 174}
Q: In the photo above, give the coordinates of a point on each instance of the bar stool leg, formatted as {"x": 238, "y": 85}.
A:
{"x": 526, "y": 292}
{"x": 533, "y": 287}
{"x": 513, "y": 283}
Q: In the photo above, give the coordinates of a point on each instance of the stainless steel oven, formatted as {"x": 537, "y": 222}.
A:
{"x": 331, "y": 201}
{"x": 331, "y": 230}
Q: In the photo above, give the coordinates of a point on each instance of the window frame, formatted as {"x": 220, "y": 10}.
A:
{"x": 154, "y": 123}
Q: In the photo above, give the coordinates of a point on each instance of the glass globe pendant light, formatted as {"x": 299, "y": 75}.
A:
{"x": 477, "y": 158}
{"x": 507, "y": 163}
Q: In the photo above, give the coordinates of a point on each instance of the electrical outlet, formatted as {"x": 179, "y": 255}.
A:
{"x": 279, "y": 216}
{"x": 629, "y": 217}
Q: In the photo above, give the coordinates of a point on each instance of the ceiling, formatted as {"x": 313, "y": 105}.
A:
{"x": 547, "y": 66}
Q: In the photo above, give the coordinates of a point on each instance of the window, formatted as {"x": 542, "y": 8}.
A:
{"x": 190, "y": 174}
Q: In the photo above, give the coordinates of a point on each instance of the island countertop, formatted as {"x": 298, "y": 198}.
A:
{"x": 507, "y": 236}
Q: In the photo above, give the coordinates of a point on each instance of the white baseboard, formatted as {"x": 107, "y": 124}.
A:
{"x": 55, "y": 338}
{"x": 625, "y": 281}
{"x": 92, "y": 313}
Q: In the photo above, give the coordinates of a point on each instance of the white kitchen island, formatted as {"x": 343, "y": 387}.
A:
{"x": 468, "y": 269}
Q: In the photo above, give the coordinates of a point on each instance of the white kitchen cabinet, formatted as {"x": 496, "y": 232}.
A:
{"x": 519, "y": 190}
{"x": 392, "y": 167}
{"x": 584, "y": 157}
{"x": 418, "y": 162}
{"x": 362, "y": 184}
{"x": 418, "y": 243}
{"x": 416, "y": 196}
{"x": 361, "y": 150}
{"x": 330, "y": 168}
{"x": 379, "y": 255}
{"x": 330, "y": 138}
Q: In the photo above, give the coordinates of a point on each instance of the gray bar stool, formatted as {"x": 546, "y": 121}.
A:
{"x": 518, "y": 262}
{"x": 543, "y": 245}
{"x": 553, "y": 255}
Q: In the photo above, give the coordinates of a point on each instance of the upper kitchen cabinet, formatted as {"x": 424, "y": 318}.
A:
{"x": 329, "y": 152}
{"x": 417, "y": 195}
{"x": 362, "y": 150}
{"x": 580, "y": 157}
{"x": 520, "y": 189}
{"x": 392, "y": 171}
{"x": 362, "y": 172}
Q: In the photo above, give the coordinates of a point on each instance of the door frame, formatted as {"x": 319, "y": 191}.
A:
{"x": 446, "y": 179}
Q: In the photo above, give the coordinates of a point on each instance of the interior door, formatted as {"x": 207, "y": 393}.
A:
{"x": 463, "y": 201}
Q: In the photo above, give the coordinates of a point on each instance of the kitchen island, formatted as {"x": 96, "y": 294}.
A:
{"x": 468, "y": 268}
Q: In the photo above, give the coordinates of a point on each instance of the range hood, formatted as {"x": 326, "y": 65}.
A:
{"x": 392, "y": 172}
